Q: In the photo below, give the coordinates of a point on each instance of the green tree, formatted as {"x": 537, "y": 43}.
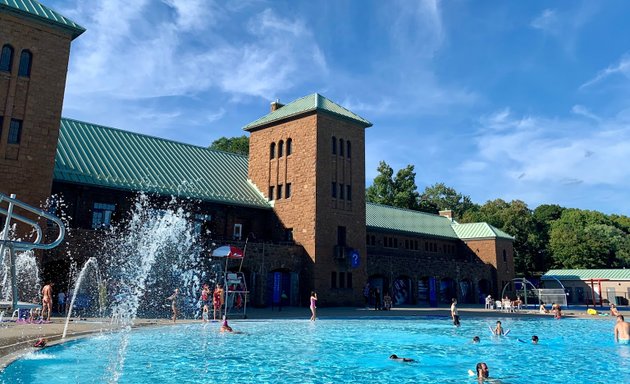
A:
{"x": 544, "y": 215}
{"x": 238, "y": 145}
{"x": 439, "y": 196}
{"x": 588, "y": 239}
{"x": 399, "y": 191}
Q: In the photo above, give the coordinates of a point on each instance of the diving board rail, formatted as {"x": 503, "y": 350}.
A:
{"x": 10, "y": 218}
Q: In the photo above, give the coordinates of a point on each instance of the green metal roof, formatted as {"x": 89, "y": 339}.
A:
{"x": 479, "y": 231}
{"x": 106, "y": 157}
{"x": 34, "y": 9}
{"x": 310, "y": 103}
{"x": 384, "y": 217}
{"x": 587, "y": 274}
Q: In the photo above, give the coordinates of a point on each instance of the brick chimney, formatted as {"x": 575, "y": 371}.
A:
{"x": 276, "y": 105}
{"x": 446, "y": 213}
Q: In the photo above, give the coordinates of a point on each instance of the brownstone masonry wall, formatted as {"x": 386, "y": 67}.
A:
{"x": 26, "y": 168}
{"x": 499, "y": 253}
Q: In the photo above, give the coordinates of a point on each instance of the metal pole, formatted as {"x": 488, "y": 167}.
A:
{"x": 5, "y": 237}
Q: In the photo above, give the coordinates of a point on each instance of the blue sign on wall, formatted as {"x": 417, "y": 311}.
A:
{"x": 355, "y": 260}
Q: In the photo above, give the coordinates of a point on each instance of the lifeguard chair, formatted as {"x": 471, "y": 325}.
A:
{"x": 234, "y": 284}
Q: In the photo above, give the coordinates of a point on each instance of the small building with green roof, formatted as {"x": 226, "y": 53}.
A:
{"x": 591, "y": 286}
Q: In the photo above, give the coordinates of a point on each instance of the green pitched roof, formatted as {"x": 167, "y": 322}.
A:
{"x": 384, "y": 217}
{"x": 306, "y": 104}
{"x": 34, "y": 9}
{"x": 587, "y": 274}
{"x": 388, "y": 218}
{"x": 479, "y": 231}
{"x": 106, "y": 157}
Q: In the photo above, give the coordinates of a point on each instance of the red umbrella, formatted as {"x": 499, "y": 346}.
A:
{"x": 229, "y": 251}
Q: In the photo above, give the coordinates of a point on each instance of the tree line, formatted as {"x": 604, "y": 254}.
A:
{"x": 549, "y": 236}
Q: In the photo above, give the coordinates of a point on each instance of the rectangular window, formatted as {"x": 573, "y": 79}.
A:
{"x": 238, "y": 231}
{"x": 102, "y": 215}
{"x": 395, "y": 242}
{"x": 279, "y": 195}
{"x": 341, "y": 191}
{"x": 406, "y": 244}
{"x": 287, "y": 191}
{"x": 334, "y": 190}
{"x": 426, "y": 246}
{"x": 1, "y": 122}
{"x": 341, "y": 236}
{"x": 271, "y": 191}
{"x": 342, "y": 279}
{"x": 367, "y": 239}
{"x": 15, "y": 131}
{"x": 349, "y": 192}
{"x": 349, "y": 280}
{"x": 333, "y": 279}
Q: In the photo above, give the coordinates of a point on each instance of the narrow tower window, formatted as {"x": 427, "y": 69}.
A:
{"x": 26, "y": 58}
{"x": 281, "y": 148}
{"x": 272, "y": 150}
{"x": 340, "y": 147}
{"x": 289, "y": 146}
{"x": 348, "y": 151}
{"x": 6, "y": 58}
{"x": 334, "y": 145}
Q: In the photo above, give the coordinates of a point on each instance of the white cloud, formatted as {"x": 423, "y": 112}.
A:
{"x": 140, "y": 49}
{"x": 622, "y": 68}
{"x": 583, "y": 111}
{"x": 565, "y": 25}
{"x": 553, "y": 151}
{"x": 547, "y": 21}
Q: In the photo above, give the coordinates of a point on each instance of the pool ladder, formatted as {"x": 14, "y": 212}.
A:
{"x": 18, "y": 245}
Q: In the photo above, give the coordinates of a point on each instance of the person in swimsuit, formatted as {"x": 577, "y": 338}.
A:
{"x": 613, "y": 310}
{"x": 313, "y": 305}
{"x": 534, "y": 339}
{"x": 403, "y": 359}
{"x": 455, "y": 313}
{"x": 205, "y": 301}
{"x": 476, "y": 340}
{"x": 498, "y": 330}
{"x": 226, "y": 328}
{"x": 622, "y": 331}
{"x": 217, "y": 301}
{"x": 174, "y": 297}
{"x": 482, "y": 371}
{"x": 47, "y": 301}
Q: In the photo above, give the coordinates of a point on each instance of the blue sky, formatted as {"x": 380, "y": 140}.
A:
{"x": 524, "y": 100}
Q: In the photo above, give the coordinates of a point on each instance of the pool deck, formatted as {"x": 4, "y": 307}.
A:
{"x": 18, "y": 338}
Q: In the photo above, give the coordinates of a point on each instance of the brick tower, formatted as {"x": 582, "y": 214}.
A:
{"x": 35, "y": 48}
{"x": 308, "y": 158}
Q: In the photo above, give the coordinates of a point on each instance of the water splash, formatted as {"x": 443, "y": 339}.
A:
{"x": 154, "y": 253}
{"x": 92, "y": 262}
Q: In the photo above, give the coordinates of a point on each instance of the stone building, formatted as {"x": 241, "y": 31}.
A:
{"x": 298, "y": 200}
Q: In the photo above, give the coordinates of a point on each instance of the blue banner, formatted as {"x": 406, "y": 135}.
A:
{"x": 355, "y": 259}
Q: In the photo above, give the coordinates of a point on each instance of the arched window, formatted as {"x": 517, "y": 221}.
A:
{"x": 272, "y": 150}
{"x": 504, "y": 256}
{"x": 348, "y": 151}
{"x": 6, "y": 58}
{"x": 289, "y": 146}
{"x": 334, "y": 145}
{"x": 340, "y": 147}
{"x": 26, "y": 59}
{"x": 281, "y": 148}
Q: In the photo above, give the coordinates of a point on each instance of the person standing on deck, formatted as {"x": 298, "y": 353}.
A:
{"x": 455, "y": 313}
{"x": 47, "y": 302}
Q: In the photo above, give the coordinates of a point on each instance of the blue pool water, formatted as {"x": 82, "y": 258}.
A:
{"x": 338, "y": 351}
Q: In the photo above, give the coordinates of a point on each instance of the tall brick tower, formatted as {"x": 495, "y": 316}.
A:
{"x": 35, "y": 48}
{"x": 308, "y": 157}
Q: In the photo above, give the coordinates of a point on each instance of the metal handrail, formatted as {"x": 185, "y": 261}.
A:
{"x": 25, "y": 245}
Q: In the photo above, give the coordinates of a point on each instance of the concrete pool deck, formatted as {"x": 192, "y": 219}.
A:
{"x": 18, "y": 338}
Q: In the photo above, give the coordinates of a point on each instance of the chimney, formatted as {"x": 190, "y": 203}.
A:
{"x": 446, "y": 213}
{"x": 276, "y": 105}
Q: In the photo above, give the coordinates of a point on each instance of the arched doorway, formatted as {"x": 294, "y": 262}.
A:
{"x": 402, "y": 290}
{"x": 282, "y": 288}
{"x": 378, "y": 283}
{"x": 423, "y": 290}
{"x": 466, "y": 291}
{"x": 447, "y": 290}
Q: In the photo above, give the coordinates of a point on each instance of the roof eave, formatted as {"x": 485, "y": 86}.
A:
{"x": 74, "y": 31}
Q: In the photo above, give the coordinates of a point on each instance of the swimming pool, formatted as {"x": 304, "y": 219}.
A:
{"x": 338, "y": 351}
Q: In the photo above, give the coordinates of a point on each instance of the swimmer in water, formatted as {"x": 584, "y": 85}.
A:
{"x": 403, "y": 359}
